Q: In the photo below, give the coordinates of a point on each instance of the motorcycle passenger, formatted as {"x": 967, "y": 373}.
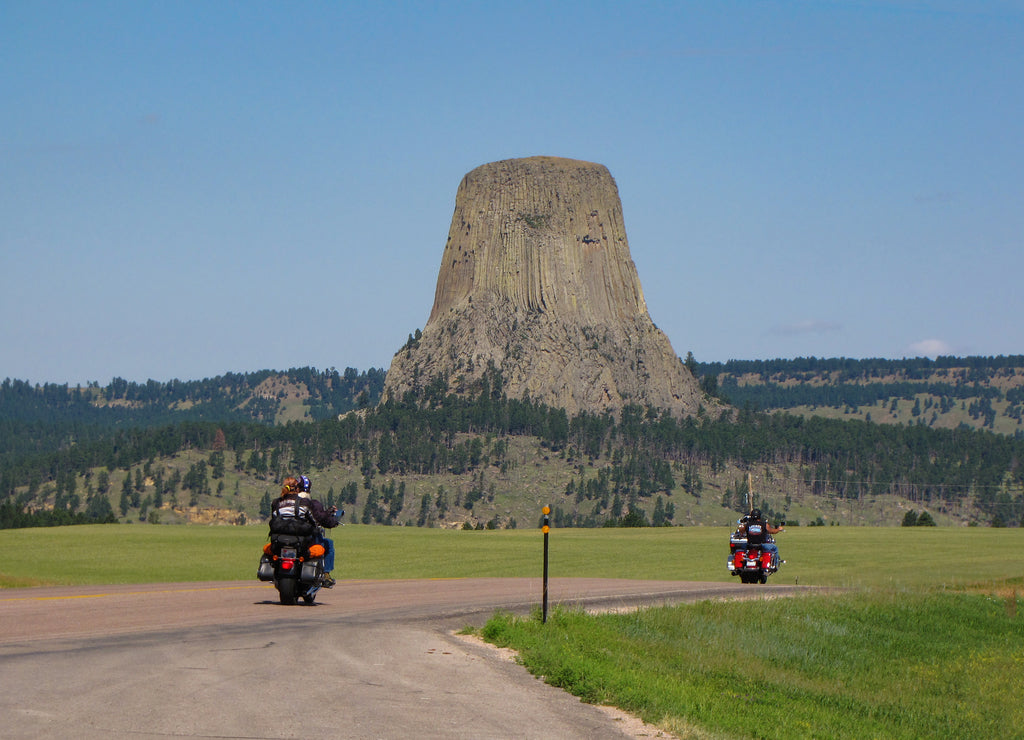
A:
{"x": 325, "y": 517}
{"x": 759, "y": 532}
{"x": 290, "y": 488}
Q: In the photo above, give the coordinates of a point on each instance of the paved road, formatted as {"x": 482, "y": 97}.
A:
{"x": 373, "y": 659}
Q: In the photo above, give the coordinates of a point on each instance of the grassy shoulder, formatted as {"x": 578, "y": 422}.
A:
{"x": 905, "y": 664}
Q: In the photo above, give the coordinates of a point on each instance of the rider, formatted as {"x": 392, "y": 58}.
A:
{"x": 325, "y": 518}
{"x": 761, "y": 536}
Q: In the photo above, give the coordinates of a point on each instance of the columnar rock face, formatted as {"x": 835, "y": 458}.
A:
{"x": 537, "y": 281}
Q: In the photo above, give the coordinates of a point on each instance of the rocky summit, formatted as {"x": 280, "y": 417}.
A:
{"x": 536, "y": 281}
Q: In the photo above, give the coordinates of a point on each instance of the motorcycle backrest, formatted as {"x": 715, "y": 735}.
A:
{"x": 755, "y": 533}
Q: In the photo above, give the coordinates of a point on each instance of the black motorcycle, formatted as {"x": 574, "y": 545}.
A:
{"x": 295, "y": 563}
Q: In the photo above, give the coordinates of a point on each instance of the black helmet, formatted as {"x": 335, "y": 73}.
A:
{"x": 755, "y": 514}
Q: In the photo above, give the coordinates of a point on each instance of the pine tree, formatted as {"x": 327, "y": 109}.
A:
{"x": 658, "y": 517}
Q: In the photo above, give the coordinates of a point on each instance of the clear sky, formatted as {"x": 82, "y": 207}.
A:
{"x": 194, "y": 188}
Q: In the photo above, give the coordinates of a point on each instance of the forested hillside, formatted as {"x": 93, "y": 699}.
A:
{"x": 945, "y": 393}
{"x": 488, "y": 461}
{"x": 41, "y": 418}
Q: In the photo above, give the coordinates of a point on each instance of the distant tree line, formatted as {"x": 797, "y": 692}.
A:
{"x": 918, "y": 368}
{"x": 13, "y": 516}
{"x": 646, "y": 453}
{"x": 35, "y": 419}
{"x": 853, "y": 384}
{"x": 774, "y": 395}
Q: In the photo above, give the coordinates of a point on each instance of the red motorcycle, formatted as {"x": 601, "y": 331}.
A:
{"x": 750, "y": 561}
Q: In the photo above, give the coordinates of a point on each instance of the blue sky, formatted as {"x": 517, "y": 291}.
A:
{"x": 194, "y": 188}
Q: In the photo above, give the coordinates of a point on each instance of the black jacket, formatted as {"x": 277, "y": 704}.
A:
{"x": 322, "y": 515}
{"x": 317, "y": 511}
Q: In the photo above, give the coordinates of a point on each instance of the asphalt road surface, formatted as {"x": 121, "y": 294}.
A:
{"x": 372, "y": 659}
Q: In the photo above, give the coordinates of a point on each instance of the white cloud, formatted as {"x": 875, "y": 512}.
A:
{"x": 929, "y": 348}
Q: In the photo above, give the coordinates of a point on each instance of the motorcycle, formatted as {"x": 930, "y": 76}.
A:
{"x": 295, "y": 565}
{"x": 751, "y": 562}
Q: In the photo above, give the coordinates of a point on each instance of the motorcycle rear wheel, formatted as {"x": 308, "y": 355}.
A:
{"x": 286, "y": 591}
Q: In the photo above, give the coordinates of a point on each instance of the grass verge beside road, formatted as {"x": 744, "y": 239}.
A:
{"x": 857, "y": 665}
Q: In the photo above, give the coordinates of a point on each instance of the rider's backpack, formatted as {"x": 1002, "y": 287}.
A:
{"x": 293, "y": 516}
{"x": 756, "y": 532}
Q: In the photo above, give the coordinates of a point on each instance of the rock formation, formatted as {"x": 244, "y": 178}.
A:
{"x": 536, "y": 279}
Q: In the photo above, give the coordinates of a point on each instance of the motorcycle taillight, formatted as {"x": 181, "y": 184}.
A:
{"x": 287, "y": 564}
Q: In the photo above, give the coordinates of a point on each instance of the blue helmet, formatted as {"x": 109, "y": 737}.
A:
{"x": 305, "y": 484}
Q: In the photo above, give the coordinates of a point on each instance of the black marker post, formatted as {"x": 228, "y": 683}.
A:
{"x": 545, "y": 528}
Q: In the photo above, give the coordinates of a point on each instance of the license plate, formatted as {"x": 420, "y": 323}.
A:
{"x": 289, "y": 552}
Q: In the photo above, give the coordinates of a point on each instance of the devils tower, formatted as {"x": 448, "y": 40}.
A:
{"x": 536, "y": 280}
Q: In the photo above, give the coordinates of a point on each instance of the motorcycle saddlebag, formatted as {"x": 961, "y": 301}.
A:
{"x": 312, "y": 570}
{"x": 266, "y": 569}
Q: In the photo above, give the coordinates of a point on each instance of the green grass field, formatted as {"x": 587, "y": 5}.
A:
{"x": 926, "y": 640}
{"x": 892, "y": 557}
